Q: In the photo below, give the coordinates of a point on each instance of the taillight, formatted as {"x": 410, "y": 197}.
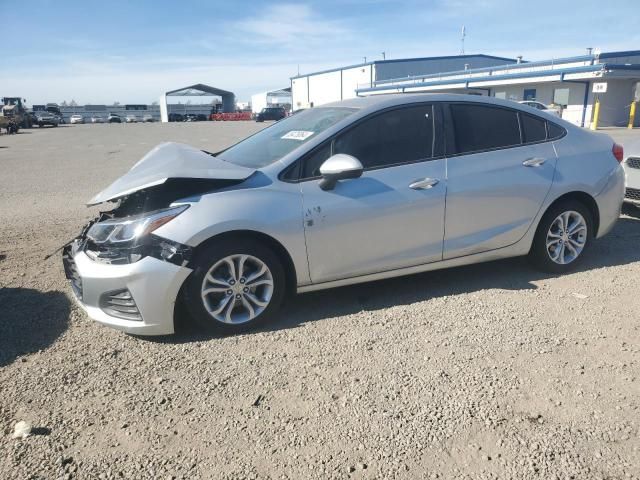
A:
{"x": 618, "y": 152}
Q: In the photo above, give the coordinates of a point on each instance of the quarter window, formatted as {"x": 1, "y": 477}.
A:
{"x": 555, "y": 131}
{"x": 533, "y": 129}
{"x": 397, "y": 136}
{"x": 480, "y": 127}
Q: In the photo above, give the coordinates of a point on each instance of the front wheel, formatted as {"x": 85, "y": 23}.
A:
{"x": 564, "y": 234}
{"x": 236, "y": 285}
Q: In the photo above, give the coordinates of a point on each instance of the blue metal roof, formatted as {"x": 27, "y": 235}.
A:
{"x": 396, "y": 60}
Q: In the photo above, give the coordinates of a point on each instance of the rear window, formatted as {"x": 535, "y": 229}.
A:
{"x": 483, "y": 127}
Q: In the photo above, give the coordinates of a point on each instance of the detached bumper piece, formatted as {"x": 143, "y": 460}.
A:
{"x": 120, "y": 304}
{"x": 71, "y": 272}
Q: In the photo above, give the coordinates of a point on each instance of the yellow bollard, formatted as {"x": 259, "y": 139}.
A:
{"x": 596, "y": 113}
{"x": 632, "y": 114}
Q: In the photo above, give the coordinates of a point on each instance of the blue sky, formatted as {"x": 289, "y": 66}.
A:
{"x": 131, "y": 51}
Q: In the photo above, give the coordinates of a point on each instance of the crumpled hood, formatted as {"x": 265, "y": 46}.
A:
{"x": 170, "y": 160}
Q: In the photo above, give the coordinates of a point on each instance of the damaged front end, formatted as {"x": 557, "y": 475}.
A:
{"x": 123, "y": 272}
{"x": 125, "y": 235}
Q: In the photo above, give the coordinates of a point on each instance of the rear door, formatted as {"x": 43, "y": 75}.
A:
{"x": 391, "y": 217}
{"x": 500, "y": 167}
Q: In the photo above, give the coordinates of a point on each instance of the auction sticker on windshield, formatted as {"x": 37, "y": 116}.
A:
{"x": 297, "y": 135}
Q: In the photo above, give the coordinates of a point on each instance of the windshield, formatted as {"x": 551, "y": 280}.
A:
{"x": 273, "y": 143}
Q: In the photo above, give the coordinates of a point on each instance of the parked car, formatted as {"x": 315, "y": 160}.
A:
{"x": 176, "y": 117}
{"x": 76, "y": 119}
{"x": 271, "y": 113}
{"x": 552, "y": 109}
{"x": 190, "y": 117}
{"x": 147, "y": 118}
{"x": 114, "y": 118}
{"x": 97, "y": 119}
{"x": 201, "y": 117}
{"x": 348, "y": 192}
{"x": 60, "y": 118}
{"x": 33, "y": 119}
{"x": 45, "y": 118}
{"x": 131, "y": 118}
{"x": 632, "y": 173}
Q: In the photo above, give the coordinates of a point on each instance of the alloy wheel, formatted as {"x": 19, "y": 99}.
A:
{"x": 567, "y": 237}
{"x": 237, "y": 289}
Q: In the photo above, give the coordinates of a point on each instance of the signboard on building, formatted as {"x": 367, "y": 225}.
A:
{"x": 600, "y": 87}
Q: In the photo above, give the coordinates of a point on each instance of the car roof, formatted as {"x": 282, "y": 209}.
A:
{"x": 376, "y": 102}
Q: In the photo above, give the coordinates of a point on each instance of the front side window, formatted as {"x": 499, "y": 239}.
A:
{"x": 484, "y": 127}
{"x": 280, "y": 139}
{"x": 398, "y": 136}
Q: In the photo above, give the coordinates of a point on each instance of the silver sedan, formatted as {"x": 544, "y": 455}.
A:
{"x": 355, "y": 191}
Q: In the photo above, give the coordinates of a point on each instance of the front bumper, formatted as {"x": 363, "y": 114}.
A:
{"x": 632, "y": 179}
{"x": 153, "y": 283}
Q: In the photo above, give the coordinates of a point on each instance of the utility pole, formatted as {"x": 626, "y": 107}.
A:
{"x": 384, "y": 55}
{"x": 463, "y": 34}
{"x": 365, "y": 59}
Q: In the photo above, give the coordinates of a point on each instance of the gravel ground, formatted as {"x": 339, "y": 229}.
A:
{"x": 489, "y": 371}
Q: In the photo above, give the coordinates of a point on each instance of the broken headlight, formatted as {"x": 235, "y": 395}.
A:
{"x": 131, "y": 229}
{"x": 128, "y": 239}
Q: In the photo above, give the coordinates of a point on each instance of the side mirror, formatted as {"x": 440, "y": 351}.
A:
{"x": 339, "y": 167}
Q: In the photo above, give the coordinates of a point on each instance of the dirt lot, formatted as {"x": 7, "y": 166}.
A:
{"x": 490, "y": 371}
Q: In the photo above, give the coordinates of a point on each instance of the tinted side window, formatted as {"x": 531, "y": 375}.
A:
{"x": 311, "y": 164}
{"x": 398, "y": 136}
{"x": 533, "y": 129}
{"x": 482, "y": 127}
{"x": 554, "y": 131}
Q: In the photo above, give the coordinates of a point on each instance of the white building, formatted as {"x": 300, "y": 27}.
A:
{"x": 566, "y": 82}
{"x": 317, "y": 88}
{"x": 274, "y": 98}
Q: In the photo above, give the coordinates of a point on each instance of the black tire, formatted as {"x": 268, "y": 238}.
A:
{"x": 40, "y": 125}
{"x": 539, "y": 255}
{"x": 207, "y": 257}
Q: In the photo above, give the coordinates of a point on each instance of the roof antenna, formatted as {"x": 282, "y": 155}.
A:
{"x": 462, "y": 35}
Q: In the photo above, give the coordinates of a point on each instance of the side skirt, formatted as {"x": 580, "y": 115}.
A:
{"x": 515, "y": 250}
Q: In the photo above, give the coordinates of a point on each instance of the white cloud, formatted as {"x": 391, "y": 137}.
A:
{"x": 288, "y": 25}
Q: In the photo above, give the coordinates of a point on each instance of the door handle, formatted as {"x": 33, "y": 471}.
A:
{"x": 534, "y": 162}
{"x": 424, "y": 184}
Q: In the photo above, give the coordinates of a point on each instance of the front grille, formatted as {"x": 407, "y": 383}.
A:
{"x": 632, "y": 194}
{"x": 71, "y": 272}
{"x": 120, "y": 304}
{"x": 633, "y": 162}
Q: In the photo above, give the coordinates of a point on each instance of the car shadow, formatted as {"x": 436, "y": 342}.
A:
{"x": 31, "y": 321}
{"x": 619, "y": 247}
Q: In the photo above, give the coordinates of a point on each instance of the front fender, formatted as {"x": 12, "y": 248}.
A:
{"x": 274, "y": 210}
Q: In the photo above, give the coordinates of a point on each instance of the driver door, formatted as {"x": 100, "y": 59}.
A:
{"x": 393, "y": 215}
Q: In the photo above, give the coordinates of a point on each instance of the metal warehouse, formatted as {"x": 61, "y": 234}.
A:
{"x": 575, "y": 84}
{"x": 341, "y": 83}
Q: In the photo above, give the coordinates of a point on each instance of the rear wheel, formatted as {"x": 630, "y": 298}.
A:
{"x": 564, "y": 233}
{"x": 237, "y": 284}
